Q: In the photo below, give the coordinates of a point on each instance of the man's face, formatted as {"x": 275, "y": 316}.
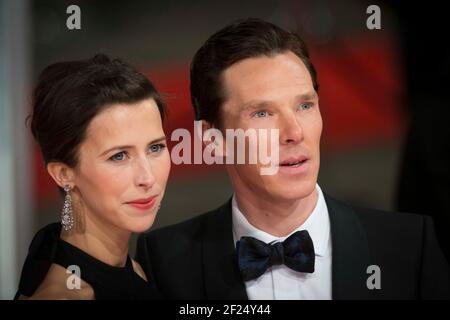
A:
{"x": 275, "y": 93}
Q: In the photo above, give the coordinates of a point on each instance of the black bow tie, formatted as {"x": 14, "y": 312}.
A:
{"x": 255, "y": 256}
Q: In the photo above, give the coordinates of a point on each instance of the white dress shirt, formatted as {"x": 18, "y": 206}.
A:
{"x": 279, "y": 282}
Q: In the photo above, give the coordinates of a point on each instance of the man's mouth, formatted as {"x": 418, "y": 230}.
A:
{"x": 293, "y": 162}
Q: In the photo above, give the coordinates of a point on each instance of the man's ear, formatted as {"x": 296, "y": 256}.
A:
{"x": 61, "y": 173}
{"x": 205, "y": 126}
{"x": 214, "y": 139}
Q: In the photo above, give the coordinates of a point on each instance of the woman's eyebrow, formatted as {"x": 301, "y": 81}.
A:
{"x": 124, "y": 147}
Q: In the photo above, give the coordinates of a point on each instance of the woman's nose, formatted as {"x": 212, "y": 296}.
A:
{"x": 144, "y": 174}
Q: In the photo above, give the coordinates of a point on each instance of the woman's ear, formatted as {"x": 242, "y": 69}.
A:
{"x": 61, "y": 173}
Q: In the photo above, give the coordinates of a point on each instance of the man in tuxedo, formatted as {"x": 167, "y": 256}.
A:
{"x": 279, "y": 236}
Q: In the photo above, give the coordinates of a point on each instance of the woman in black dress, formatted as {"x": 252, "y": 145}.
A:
{"x": 98, "y": 123}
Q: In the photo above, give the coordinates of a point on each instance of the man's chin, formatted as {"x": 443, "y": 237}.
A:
{"x": 295, "y": 192}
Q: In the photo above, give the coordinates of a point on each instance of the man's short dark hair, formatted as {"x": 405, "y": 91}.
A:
{"x": 242, "y": 39}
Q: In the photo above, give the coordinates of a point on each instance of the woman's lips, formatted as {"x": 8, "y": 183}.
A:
{"x": 143, "y": 204}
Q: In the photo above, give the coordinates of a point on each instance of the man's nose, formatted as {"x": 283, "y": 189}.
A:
{"x": 291, "y": 131}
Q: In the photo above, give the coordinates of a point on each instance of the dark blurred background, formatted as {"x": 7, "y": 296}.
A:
{"x": 382, "y": 95}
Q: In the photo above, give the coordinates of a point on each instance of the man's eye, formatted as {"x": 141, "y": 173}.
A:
{"x": 157, "y": 147}
{"x": 305, "y": 106}
{"x": 262, "y": 114}
{"x": 118, "y": 156}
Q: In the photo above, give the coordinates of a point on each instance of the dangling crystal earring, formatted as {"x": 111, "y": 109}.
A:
{"x": 67, "y": 212}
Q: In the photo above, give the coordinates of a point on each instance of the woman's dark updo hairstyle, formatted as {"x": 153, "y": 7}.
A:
{"x": 70, "y": 94}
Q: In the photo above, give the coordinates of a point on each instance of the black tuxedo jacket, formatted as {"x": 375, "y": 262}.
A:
{"x": 196, "y": 259}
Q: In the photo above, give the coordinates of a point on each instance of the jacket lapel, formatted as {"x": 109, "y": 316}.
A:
{"x": 350, "y": 253}
{"x": 349, "y": 249}
{"x": 221, "y": 274}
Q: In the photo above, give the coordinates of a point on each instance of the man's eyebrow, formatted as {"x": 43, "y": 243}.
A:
{"x": 254, "y": 104}
{"x": 307, "y": 96}
{"x": 124, "y": 147}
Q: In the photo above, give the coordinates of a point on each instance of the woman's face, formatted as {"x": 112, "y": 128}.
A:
{"x": 123, "y": 166}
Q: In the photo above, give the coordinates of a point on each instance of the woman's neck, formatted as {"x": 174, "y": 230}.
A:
{"x": 106, "y": 243}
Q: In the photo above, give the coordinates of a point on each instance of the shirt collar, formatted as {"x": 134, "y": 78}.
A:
{"x": 317, "y": 225}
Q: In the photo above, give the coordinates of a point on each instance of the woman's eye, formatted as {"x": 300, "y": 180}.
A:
{"x": 118, "y": 156}
{"x": 262, "y": 114}
{"x": 157, "y": 147}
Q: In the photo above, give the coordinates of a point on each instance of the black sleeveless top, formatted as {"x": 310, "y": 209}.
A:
{"x": 108, "y": 282}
